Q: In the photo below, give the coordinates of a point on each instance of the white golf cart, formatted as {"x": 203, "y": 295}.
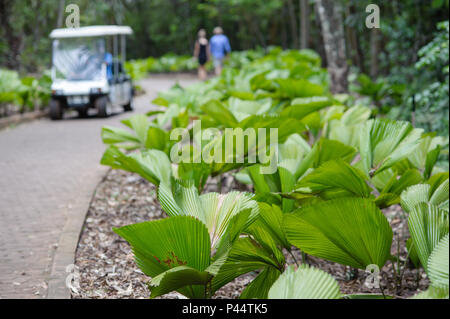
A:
{"x": 88, "y": 71}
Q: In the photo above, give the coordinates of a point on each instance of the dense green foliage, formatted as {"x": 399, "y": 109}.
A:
{"x": 406, "y": 57}
{"x": 29, "y": 93}
{"x": 337, "y": 166}
{"x": 340, "y": 159}
{"x": 140, "y": 68}
{"x": 170, "y": 26}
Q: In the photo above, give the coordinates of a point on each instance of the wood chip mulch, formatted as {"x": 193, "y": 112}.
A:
{"x": 106, "y": 264}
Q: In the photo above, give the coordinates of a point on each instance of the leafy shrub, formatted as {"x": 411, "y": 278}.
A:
{"x": 29, "y": 93}
{"x": 337, "y": 167}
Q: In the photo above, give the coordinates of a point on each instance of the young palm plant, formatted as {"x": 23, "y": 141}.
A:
{"x": 186, "y": 251}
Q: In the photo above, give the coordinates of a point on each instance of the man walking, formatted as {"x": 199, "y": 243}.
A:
{"x": 220, "y": 47}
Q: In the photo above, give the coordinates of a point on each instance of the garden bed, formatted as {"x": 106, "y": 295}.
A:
{"x": 19, "y": 118}
{"x": 106, "y": 263}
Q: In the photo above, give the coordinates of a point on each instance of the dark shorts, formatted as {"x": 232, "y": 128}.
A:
{"x": 202, "y": 60}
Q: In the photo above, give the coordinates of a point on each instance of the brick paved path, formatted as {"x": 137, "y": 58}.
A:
{"x": 48, "y": 172}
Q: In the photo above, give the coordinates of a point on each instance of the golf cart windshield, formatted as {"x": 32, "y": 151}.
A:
{"x": 79, "y": 59}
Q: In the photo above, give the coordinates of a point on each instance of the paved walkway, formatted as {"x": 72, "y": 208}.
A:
{"x": 48, "y": 173}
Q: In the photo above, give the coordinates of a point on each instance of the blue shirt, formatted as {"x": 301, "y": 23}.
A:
{"x": 109, "y": 65}
{"x": 219, "y": 46}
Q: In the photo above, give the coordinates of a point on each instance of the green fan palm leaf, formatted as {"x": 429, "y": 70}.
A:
{"x": 325, "y": 150}
{"x": 153, "y": 165}
{"x": 301, "y": 107}
{"x": 245, "y": 256}
{"x": 428, "y": 225}
{"x": 162, "y": 247}
{"x": 215, "y": 210}
{"x": 305, "y": 283}
{"x": 438, "y": 264}
{"x": 332, "y": 179}
{"x": 437, "y": 195}
{"x": 350, "y": 231}
{"x": 384, "y": 142}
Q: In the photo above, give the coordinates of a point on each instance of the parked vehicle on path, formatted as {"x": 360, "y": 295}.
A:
{"x": 88, "y": 71}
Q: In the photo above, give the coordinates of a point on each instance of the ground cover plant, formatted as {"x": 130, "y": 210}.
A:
{"x": 27, "y": 93}
{"x": 338, "y": 165}
{"x": 139, "y": 68}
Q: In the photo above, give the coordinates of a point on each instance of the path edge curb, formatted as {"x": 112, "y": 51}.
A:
{"x": 64, "y": 254}
{"x": 18, "y": 119}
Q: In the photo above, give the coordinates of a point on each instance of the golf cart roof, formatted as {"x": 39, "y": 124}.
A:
{"x": 91, "y": 31}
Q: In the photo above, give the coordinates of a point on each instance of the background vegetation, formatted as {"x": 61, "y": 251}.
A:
{"x": 407, "y": 56}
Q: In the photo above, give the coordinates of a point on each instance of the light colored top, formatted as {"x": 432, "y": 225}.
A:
{"x": 219, "y": 46}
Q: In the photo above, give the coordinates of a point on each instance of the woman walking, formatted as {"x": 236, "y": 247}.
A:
{"x": 202, "y": 53}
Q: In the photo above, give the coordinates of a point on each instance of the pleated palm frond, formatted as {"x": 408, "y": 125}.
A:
{"x": 333, "y": 179}
{"x": 385, "y": 142}
{"x": 350, "y": 231}
{"x": 261, "y": 251}
{"x": 414, "y": 195}
{"x": 245, "y": 256}
{"x": 323, "y": 151}
{"x": 437, "y": 195}
{"x": 440, "y": 196}
{"x": 347, "y": 129}
{"x": 143, "y": 134}
{"x": 433, "y": 293}
{"x": 436, "y": 180}
{"x": 301, "y": 107}
{"x": 268, "y": 186}
{"x": 426, "y": 154}
{"x": 135, "y": 139}
{"x": 395, "y": 185}
{"x": 428, "y": 225}
{"x": 412, "y": 253}
{"x": 120, "y": 137}
{"x": 438, "y": 264}
{"x": 271, "y": 220}
{"x": 153, "y": 165}
{"x": 241, "y": 109}
{"x": 293, "y": 88}
{"x": 220, "y": 213}
{"x": 174, "y": 251}
{"x": 305, "y": 283}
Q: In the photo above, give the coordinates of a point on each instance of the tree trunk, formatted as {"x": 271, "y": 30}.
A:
{"x": 317, "y": 37}
{"x": 334, "y": 42}
{"x": 355, "y": 46}
{"x": 190, "y": 32}
{"x": 36, "y": 30}
{"x": 293, "y": 23}
{"x": 374, "y": 52}
{"x": 61, "y": 7}
{"x": 14, "y": 41}
{"x": 253, "y": 25}
{"x": 283, "y": 30}
{"x": 304, "y": 24}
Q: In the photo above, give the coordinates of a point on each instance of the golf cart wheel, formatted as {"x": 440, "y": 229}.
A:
{"x": 56, "y": 110}
{"x": 83, "y": 112}
{"x": 102, "y": 106}
{"x": 128, "y": 107}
